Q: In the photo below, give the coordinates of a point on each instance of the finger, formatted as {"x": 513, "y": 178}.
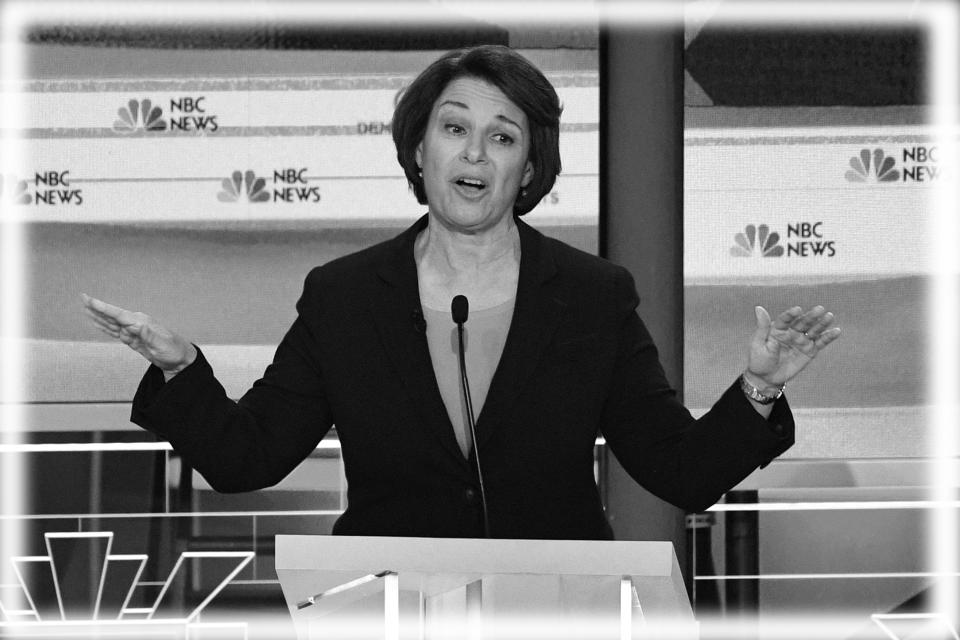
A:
{"x": 118, "y": 314}
{"x": 763, "y": 323}
{"x": 113, "y": 333}
{"x": 827, "y": 337}
{"x": 100, "y": 308}
{"x": 808, "y": 319}
{"x": 785, "y": 319}
{"x": 106, "y": 326}
{"x": 821, "y": 325}
{"x": 93, "y": 313}
{"x": 99, "y": 317}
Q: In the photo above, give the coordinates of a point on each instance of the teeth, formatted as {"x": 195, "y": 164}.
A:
{"x": 471, "y": 182}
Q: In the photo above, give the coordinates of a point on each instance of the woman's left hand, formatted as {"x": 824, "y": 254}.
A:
{"x": 781, "y": 348}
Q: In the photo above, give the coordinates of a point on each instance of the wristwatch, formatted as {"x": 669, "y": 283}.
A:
{"x": 756, "y": 395}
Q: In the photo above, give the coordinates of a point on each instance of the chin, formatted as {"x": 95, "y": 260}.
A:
{"x": 470, "y": 221}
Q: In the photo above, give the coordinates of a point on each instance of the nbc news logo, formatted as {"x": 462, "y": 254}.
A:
{"x": 49, "y": 188}
{"x": 246, "y": 186}
{"x": 289, "y": 185}
{"x": 804, "y": 240}
{"x": 917, "y": 164}
{"x": 187, "y": 113}
{"x": 14, "y": 190}
{"x": 755, "y": 240}
{"x": 879, "y": 170}
{"x": 139, "y": 115}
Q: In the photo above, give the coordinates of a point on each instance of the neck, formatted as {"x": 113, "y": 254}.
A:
{"x": 483, "y": 266}
{"x": 456, "y": 253}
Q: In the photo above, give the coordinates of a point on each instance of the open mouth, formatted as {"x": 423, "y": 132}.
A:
{"x": 471, "y": 184}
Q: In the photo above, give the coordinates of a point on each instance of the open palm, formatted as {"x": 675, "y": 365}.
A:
{"x": 781, "y": 348}
{"x": 143, "y": 334}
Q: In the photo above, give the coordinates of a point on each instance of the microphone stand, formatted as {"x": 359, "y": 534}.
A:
{"x": 459, "y": 309}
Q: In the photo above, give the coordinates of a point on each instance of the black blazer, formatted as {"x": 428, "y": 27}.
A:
{"x": 578, "y": 362}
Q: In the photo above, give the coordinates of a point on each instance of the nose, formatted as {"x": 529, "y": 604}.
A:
{"x": 474, "y": 150}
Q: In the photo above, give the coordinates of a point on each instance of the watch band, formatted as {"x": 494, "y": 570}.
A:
{"x": 756, "y": 395}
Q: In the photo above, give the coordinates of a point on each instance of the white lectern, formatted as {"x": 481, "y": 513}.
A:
{"x": 432, "y": 588}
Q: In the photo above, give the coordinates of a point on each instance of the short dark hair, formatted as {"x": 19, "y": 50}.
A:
{"x": 519, "y": 81}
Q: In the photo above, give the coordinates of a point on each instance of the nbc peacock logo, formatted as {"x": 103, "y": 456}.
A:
{"x": 872, "y": 166}
{"x": 243, "y": 186}
{"x": 139, "y": 115}
{"x": 14, "y": 190}
{"x": 757, "y": 241}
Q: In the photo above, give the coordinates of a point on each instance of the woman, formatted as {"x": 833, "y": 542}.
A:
{"x": 556, "y": 353}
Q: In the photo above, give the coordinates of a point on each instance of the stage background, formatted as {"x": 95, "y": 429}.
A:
{"x": 808, "y": 179}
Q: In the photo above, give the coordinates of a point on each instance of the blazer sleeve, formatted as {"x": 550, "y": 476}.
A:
{"x": 256, "y": 441}
{"x": 688, "y": 462}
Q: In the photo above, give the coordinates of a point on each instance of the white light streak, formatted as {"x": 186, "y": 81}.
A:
{"x": 97, "y": 623}
{"x": 195, "y": 629}
{"x": 425, "y": 14}
{"x": 823, "y": 13}
{"x": 217, "y": 554}
{"x": 391, "y": 606}
{"x": 829, "y": 576}
{"x": 12, "y": 286}
{"x": 810, "y": 625}
{"x": 174, "y": 514}
{"x": 340, "y": 588}
{"x": 76, "y": 447}
{"x": 626, "y": 608}
{"x": 839, "y": 506}
{"x": 943, "y": 350}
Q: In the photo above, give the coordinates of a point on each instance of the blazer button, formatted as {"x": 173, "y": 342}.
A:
{"x": 471, "y": 496}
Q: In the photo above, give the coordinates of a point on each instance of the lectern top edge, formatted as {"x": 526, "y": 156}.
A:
{"x": 472, "y": 555}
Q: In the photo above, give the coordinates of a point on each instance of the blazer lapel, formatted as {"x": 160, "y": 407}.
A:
{"x": 395, "y": 314}
{"x": 536, "y": 315}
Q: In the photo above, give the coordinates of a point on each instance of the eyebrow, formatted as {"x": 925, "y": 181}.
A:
{"x": 456, "y": 103}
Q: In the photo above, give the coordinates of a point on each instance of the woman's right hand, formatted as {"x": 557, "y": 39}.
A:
{"x": 162, "y": 347}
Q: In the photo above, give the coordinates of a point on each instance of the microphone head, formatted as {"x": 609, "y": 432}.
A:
{"x": 459, "y": 308}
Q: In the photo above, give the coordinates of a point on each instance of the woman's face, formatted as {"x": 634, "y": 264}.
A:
{"x": 474, "y": 155}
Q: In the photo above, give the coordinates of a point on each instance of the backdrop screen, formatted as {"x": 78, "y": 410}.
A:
{"x": 203, "y": 191}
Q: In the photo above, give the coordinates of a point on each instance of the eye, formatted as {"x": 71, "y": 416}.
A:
{"x": 453, "y": 128}
{"x": 503, "y": 138}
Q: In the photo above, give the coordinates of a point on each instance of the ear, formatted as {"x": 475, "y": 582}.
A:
{"x": 527, "y": 174}
{"x": 418, "y": 155}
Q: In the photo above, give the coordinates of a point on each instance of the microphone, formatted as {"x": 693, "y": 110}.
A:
{"x": 459, "y": 309}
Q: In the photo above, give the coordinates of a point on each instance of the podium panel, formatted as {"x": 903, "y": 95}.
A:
{"x": 386, "y": 587}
